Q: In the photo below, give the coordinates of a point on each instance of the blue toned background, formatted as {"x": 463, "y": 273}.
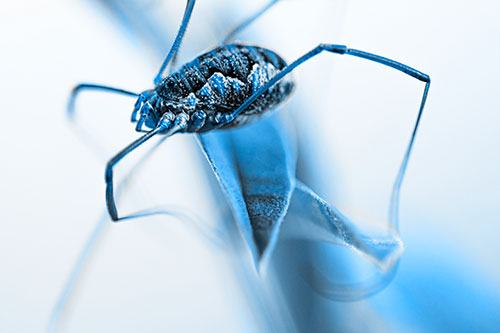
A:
{"x": 354, "y": 120}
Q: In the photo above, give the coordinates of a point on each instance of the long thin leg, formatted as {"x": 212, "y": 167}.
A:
{"x": 173, "y": 64}
{"x": 394, "y": 205}
{"x": 81, "y": 131}
{"x": 177, "y": 42}
{"x": 213, "y": 236}
{"x": 248, "y": 21}
{"x": 179, "y": 123}
{"x": 341, "y": 49}
{"x": 70, "y": 111}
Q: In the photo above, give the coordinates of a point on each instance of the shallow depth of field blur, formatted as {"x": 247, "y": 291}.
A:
{"x": 355, "y": 118}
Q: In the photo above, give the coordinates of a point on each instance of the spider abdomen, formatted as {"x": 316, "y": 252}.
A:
{"x": 219, "y": 81}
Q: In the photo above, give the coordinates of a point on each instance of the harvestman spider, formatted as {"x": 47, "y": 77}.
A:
{"x": 231, "y": 85}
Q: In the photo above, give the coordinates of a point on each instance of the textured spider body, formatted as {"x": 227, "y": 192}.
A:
{"x": 231, "y": 85}
{"x": 209, "y": 88}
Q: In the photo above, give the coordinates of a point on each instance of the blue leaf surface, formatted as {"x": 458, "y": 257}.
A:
{"x": 315, "y": 219}
{"x": 256, "y": 168}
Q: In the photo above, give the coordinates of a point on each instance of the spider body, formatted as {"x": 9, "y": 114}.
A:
{"x": 209, "y": 88}
{"x": 231, "y": 85}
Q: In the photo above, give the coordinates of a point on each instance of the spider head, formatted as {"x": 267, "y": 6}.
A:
{"x": 145, "y": 113}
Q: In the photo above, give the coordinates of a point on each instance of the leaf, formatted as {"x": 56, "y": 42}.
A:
{"x": 256, "y": 168}
{"x": 312, "y": 218}
{"x": 321, "y": 225}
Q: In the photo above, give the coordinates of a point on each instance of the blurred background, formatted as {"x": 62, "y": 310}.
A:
{"x": 353, "y": 120}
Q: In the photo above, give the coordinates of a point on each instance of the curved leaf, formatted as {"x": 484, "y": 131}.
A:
{"x": 256, "y": 168}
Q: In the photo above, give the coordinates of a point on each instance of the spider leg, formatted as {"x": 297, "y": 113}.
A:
{"x": 177, "y": 42}
{"x": 233, "y": 32}
{"x": 70, "y": 110}
{"x": 168, "y": 125}
{"x": 74, "y": 274}
{"x": 87, "y": 138}
{"x": 341, "y": 49}
{"x": 249, "y": 20}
